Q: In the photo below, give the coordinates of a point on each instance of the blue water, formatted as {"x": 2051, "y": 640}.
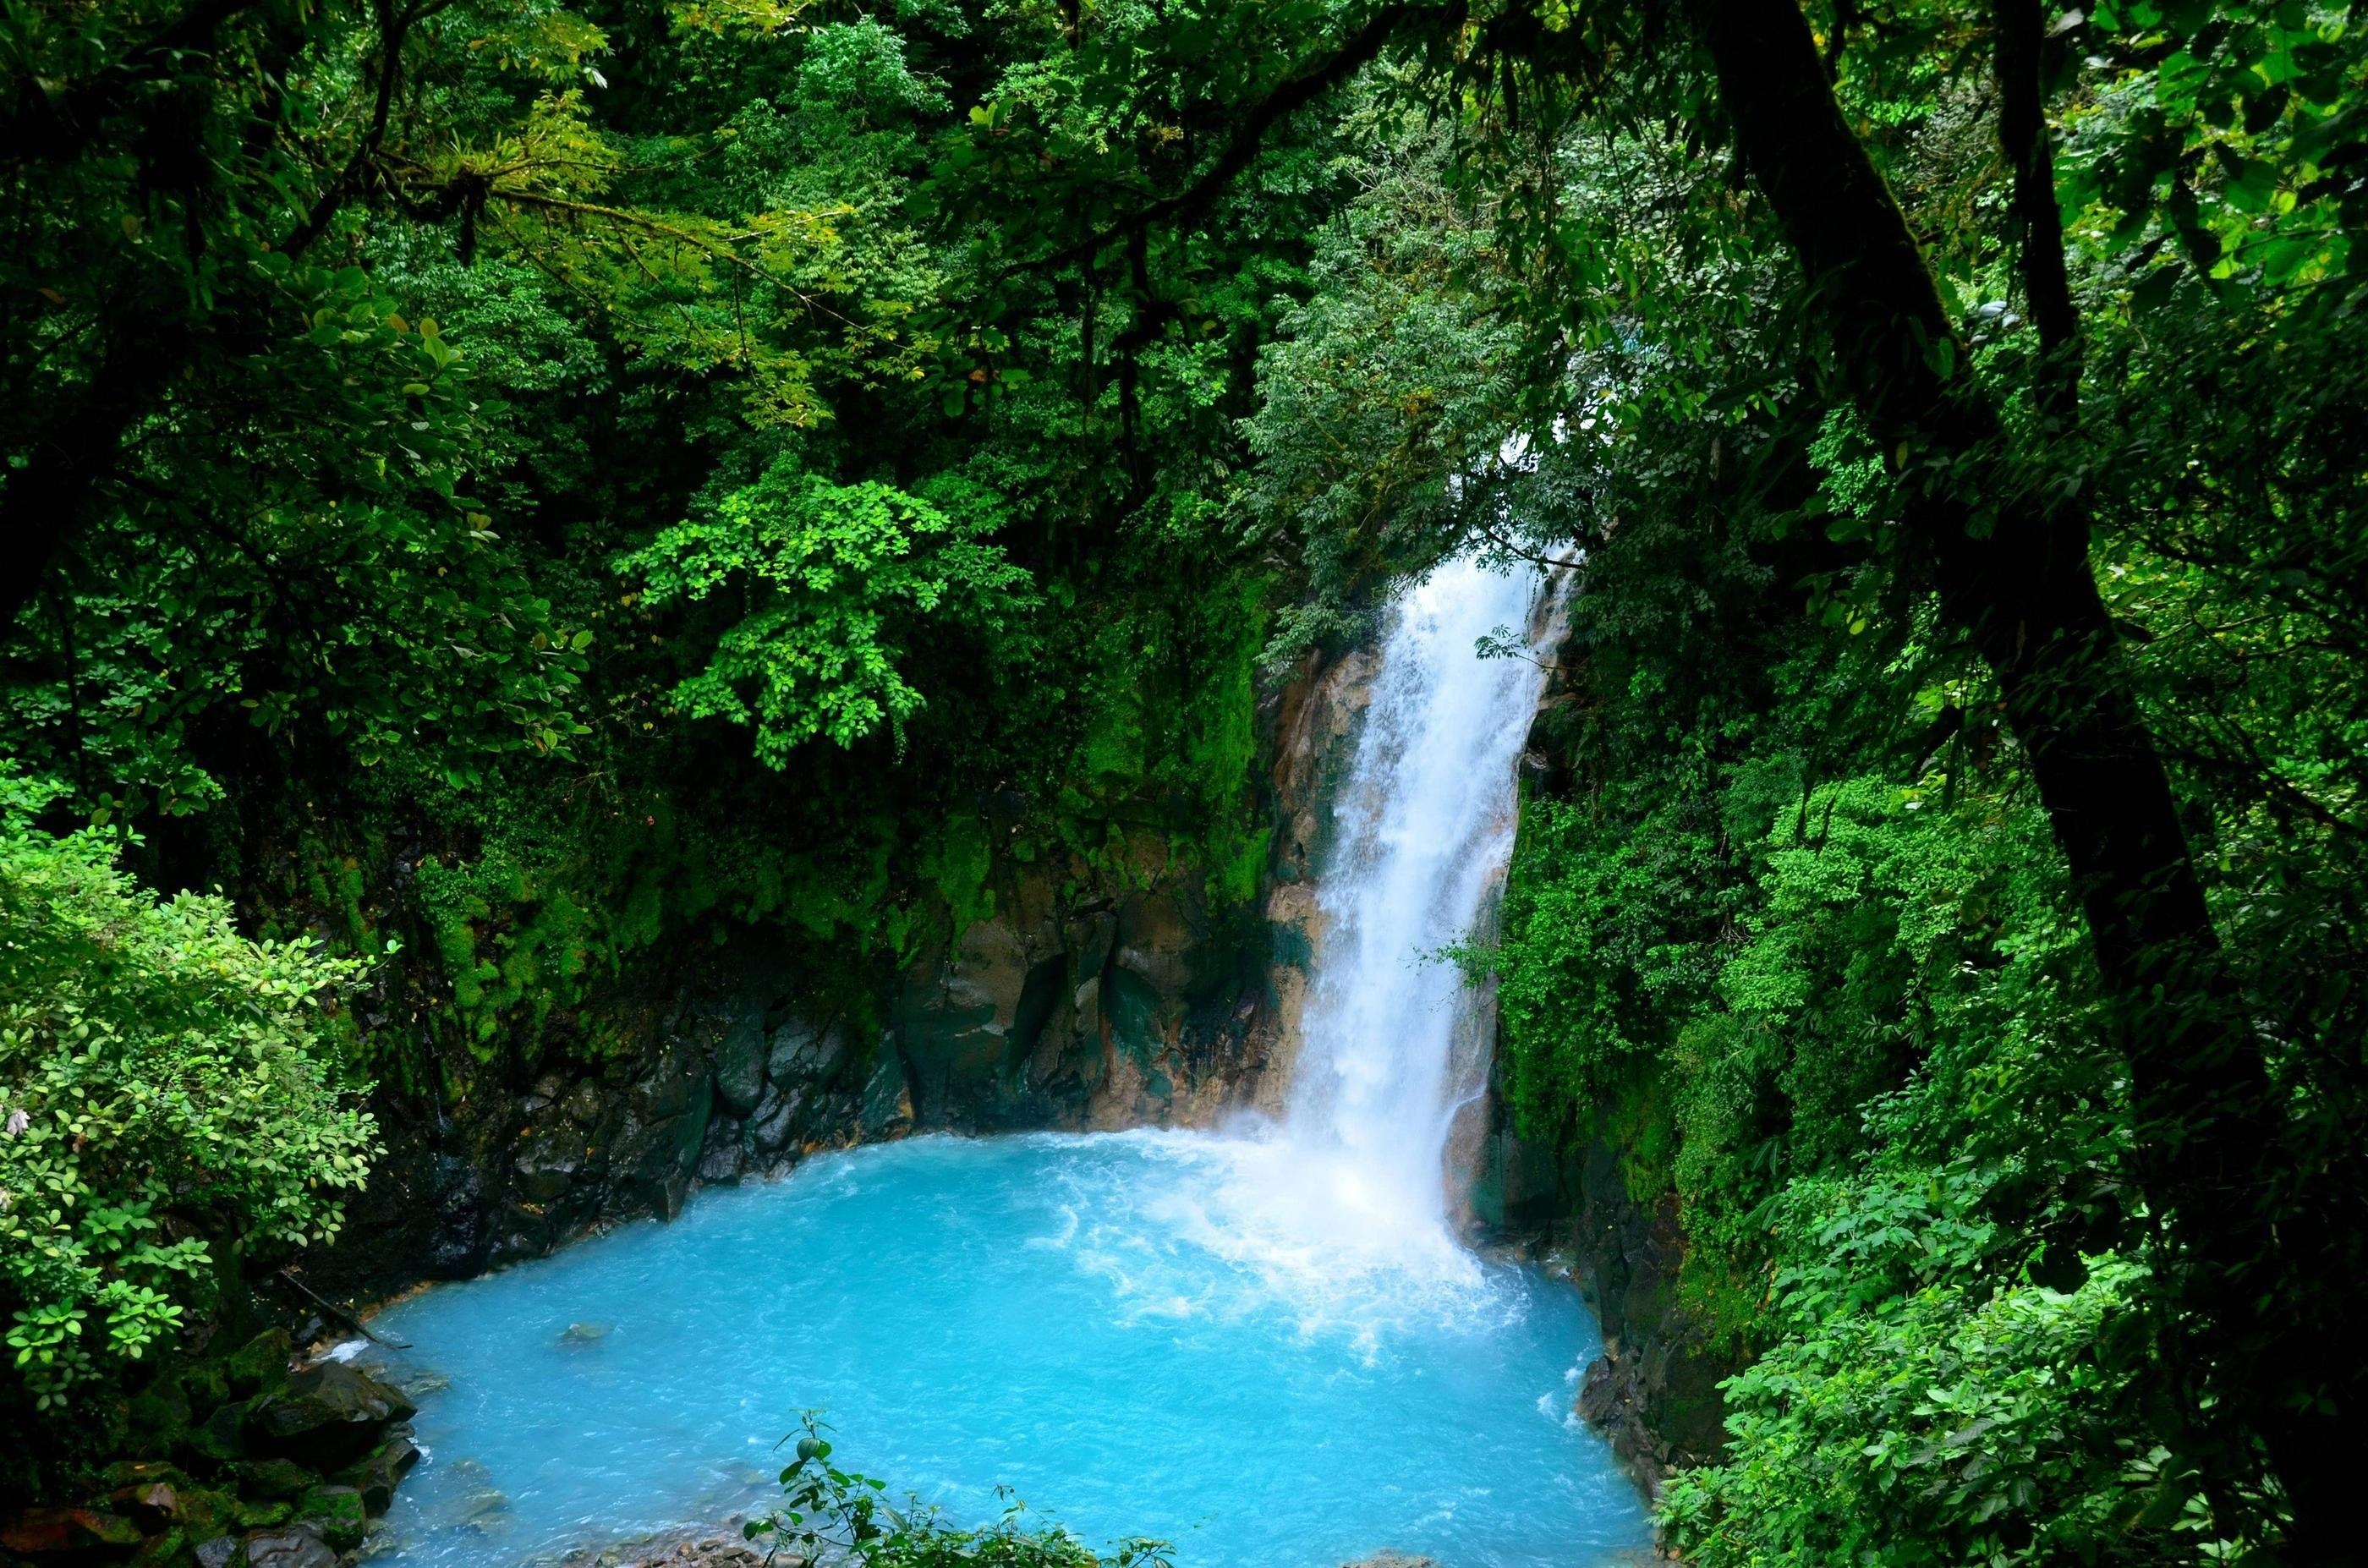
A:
{"x": 1142, "y": 1333}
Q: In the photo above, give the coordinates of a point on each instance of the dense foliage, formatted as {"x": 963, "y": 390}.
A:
{"x": 523, "y": 489}
{"x": 171, "y": 1094}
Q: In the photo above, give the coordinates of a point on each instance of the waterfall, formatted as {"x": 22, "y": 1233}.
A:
{"x": 1393, "y": 1041}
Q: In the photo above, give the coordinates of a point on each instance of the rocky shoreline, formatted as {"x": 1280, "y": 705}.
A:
{"x": 261, "y": 1459}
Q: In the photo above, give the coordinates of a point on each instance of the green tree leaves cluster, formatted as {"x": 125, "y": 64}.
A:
{"x": 832, "y": 580}
{"x": 170, "y": 1094}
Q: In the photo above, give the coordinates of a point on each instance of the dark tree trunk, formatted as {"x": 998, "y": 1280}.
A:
{"x": 2009, "y": 558}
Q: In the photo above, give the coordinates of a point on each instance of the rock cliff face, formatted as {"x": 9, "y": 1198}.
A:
{"x": 1150, "y": 1007}
{"x": 1654, "y": 1391}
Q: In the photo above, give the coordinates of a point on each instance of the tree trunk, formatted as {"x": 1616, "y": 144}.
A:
{"x": 2013, "y": 571}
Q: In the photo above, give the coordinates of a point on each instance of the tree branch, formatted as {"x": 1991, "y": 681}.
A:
{"x": 1293, "y": 94}
{"x": 2023, "y": 137}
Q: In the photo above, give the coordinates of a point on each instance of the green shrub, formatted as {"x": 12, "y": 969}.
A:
{"x": 167, "y": 1089}
{"x": 842, "y": 1516}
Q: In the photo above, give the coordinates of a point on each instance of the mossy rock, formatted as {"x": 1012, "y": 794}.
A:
{"x": 337, "y": 1513}
{"x": 156, "y": 1419}
{"x": 331, "y": 1413}
{"x": 261, "y": 1364}
{"x": 207, "y": 1512}
{"x": 262, "y": 1516}
{"x": 222, "y": 1438}
{"x": 275, "y": 1479}
{"x": 164, "y": 1550}
{"x": 377, "y": 1476}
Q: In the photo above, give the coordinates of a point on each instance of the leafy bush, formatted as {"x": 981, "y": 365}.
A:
{"x": 845, "y": 1518}
{"x": 168, "y": 1091}
{"x": 835, "y": 579}
{"x": 1953, "y": 1425}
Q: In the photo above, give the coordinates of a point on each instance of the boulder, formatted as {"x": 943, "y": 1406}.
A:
{"x": 329, "y": 1413}
{"x": 549, "y": 1154}
{"x": 954, "y": 1019}
{"x": 376, "y": 1477}
{"x": 775, "y": 1123}
{"x": 887, "y": 1101}
{"x": 206, "y": 1513}
{"x": 262, "y": 1516}
{"x": 261, "y": 1364}
{"x": 140, "y": 1473}
{"x": 219, "y": 1552}
{"x": 740, "y": 1064}
{"x": 273, "y": 1478}
{"x": 802, "y": 1052}
{"x": 222, "y": 1438}
{"x": 337, "y": 1513}
{"x": 294, "y": 1547}
{"x": 721, "y": 1161}
{"x": 672, "y": 1085}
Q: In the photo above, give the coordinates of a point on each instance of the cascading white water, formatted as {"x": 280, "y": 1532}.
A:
{"x": 1344, "y": 1208}
{"x": 1393, "y": 1039}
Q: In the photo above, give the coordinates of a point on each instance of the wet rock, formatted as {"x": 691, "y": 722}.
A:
{"x": 260, "y": 1364}
{"x": 458, "y": 1249}
{"x": 701, "y": 1552}
{"x": 140, "y": 1473}
{"x": 721, "y": 1161}
{"x": 1393, "y": 1560}
{"x": 203, "y": 1386}
{"x": 887, "y": 1102}
{"x": 740, "y": 1064}
{"x": 218, "y": 1552}
{"x": 672, "y": 1086}
{"x": 262, "y": 1516}
{"x": 1088, "y": 940}
{"x": 582, "y": 1105}
{"x": 376, "y": 1477}
{"x": 954, "y": 1019}
{"x": 294, "y": 1547}
{"x": 550, "y": 1155}
{"x": 775, "y": 1123}
{"x": 337, "y": 1513}
{"x": 578, "y": 1335}
{"x": 206, "y": 1513}
{"x": 329, "y": 1413}
{"x": 222, "y": 1436}
{"x": 806, "y": 1052}
{"x": 1158, "y": 942}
